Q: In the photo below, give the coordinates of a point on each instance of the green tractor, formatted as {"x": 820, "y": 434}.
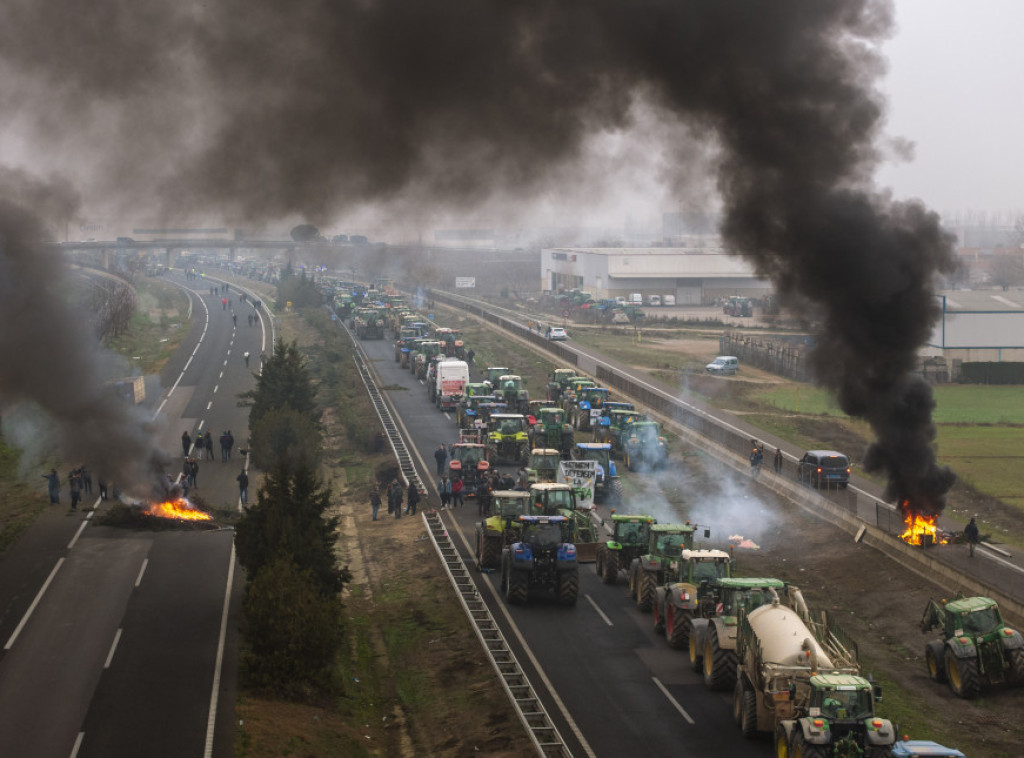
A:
{"x": 506, "y": 438}
{"x": 468, "y": 411}
{"x": 588, "y": 407}
{"x": 557, "y": 380}
{"x": 643, "y": 446}
{"x": 665, "y": 545}
{"x": 493, "y": 373}
{"x": 679, "y": 600}
{"x": 428, "y": 351}
{"x": 557, "y": 499}
{"x": 405, "y": 344}
{"x": 975, "y": 645}
{"x": 512, "y": 389}
{"x": 542, "y": 465}
{"x": 571, "y": 392}
{"x": 713, "y": 633}
{"x": 610, "y": 427}
{"x": 501, "y": 529}
{"x": 552, "y": 431}
{"x": 627, "y": 540}
{"x": 609, "y": 483}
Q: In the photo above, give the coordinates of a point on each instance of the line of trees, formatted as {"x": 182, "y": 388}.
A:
{"x": 286, "y": 540}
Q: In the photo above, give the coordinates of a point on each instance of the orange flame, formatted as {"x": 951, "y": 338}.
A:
{"x": 919, "y": 526}
{"x": 180, "y": 509}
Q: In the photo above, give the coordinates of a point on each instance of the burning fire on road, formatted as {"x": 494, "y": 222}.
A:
{"x": 178, "y": 508}
{"x": 921, "y": 530}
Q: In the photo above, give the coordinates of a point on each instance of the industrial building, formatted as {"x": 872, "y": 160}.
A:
{"x": 695, "y": 275}
{"x": 982, "y": 326}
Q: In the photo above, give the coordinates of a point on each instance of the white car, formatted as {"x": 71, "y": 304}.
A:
{"x": 557, "y": 333}
{"x": 724, "y": 364}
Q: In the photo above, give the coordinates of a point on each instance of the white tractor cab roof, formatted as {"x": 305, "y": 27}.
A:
{"x": 705, "y": 555}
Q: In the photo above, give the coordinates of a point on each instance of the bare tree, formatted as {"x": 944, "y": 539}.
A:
{"x": 1007, "y": 271}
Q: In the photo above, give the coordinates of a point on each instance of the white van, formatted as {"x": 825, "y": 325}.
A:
{"x": 724, "y": 364}
{"x": 668, "y": 300}
{"x": 654, "y": 300}
{"x": 449, "y": 383}
{"x": 636, "y": 299}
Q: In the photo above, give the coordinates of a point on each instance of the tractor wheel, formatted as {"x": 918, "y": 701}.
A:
{"x": 748, "y": 713}
{"x": 696, "y": 653}
{"x": 645, "y": 592}
{"x": 737, "y": 703}
{"x": 616, "y": 491}
{"x": 515, "y": 587}
{"x": 629, "y": 462}
{"x": 719, "y": 664}
{"x": 568, "y": 586}
{"x": 781, "y": 742}
{"x": 677, "y": 627}
{"x": 490, "y": 551}
{"x": 801, "y": 749}
{"x": 963, "y": 675}
{"x": 935, "y": 660}
{"x": 658, "y": 615}
{"x": 611, "y": 568}
{"x": 633, "y": 581}
{"x": 1016, "y": 666}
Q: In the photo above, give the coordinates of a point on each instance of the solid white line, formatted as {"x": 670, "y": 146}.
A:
{"x": 600, "y": 613}
{"x": 113, "y": 647}
{"x": 672, "y": 700}
{"x": 78, "y": 744}
{"x": 997, "y": 559}
{"x": 78, "y": 534}
{"x": 142, "y": 570}
{"x": 215, "y": 691}
{"x": 31, "y": 608}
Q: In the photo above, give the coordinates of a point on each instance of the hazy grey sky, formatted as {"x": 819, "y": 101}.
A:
{"x": 956, "y": 89}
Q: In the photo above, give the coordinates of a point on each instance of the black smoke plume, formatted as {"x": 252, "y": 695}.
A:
{"x": 311, "y": 107}
{"x": 51, "y": 356}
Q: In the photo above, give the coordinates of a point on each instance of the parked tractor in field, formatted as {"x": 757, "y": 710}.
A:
{"x": 544, "y": 557}
{"x": 627, "y": 541}
{"x": 975, "y": 647}
{"x": 502, "y": 528}
{"x": 551, "y": 431}
{"x": 506, "y": 438}
{"x": 665, "y": 544}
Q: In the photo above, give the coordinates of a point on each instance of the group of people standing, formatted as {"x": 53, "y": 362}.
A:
{"x": 395, "y": 494}
{"x": 79, "y": 485}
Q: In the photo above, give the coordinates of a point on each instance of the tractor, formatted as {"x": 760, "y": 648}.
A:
{"x": 643, "y": 446}
{"x": 506, "y": 438}
{"x": 665, "y": 544}
{"x": 512, "y": 389}
{"x": 558, "y": 499}
{"x": 609, "y": 484}
{"x": 571, "y": 390}
{"x": 588, "y": 407}
{"x": 405, "y": 344}
{"x": 502, "y": 528}
{"x": 544, "y": 557}
{"x": 627, "y": 540}
{"x": 557, "y": 380}
{"x": 427, "y": 352}
{"x": 974, "y": 647}
{"x": 610, "y": 428}
{"x": 493, "y": 373}
{"x": 543, "y": 465}
{"x": 680, "y": 598}
{"x": 469, "y": 462}
{"x": 552, "y": 431}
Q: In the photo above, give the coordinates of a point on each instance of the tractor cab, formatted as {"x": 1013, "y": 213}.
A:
{"x": 551, "y": 498}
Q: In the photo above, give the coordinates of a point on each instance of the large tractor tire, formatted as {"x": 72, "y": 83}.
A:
{"x": 964, "y": 679}
{"x": 646, "y": 590}
{"x": 696, "y": 652}
{"x": 719, "y": 664}
{"x": 1016, "y": 658}
{"x": 935, "y": 660}
{"x": 803, "y": 749}
{"x": 629, "y": 461}
{"x": 781, "y": 743}
{"x": 489, "y": 554}
{"x": 745, "y": 709}
{"x": 515, "y": 586}
{"x": 611, "y": 568}
{"x": 616, "y": 491}
{"x": 677, "y": 627}
{"x": 568, "y": 586}
{"x": 658, "y": 616}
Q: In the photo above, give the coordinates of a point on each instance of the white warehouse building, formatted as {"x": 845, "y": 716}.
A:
{"x": 694, "y": 276}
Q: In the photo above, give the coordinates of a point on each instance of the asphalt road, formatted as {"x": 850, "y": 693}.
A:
{"x": 622, "y": 690}
{"x": 114, "y": 637}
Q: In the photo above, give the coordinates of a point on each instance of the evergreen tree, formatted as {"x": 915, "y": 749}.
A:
{"x": 284, "y": 383}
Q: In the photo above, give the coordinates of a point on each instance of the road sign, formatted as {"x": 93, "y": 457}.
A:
{"x": 465, "y": 282}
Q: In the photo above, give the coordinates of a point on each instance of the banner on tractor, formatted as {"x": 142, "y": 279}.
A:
{"x": 582, "y": 477}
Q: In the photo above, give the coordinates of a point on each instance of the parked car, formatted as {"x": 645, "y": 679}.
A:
{"x": 669, "y": 300}
{"x": 724, "y": 364}
{"x": 557, "y": 333}
{"x": 823, "y": 468}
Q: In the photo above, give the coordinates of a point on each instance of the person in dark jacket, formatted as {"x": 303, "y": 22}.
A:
{"x": 483, "y": 497}
{"x": 444, "y": 490}
{"x": 441, "y": 456}
{"x": 374, "y": 500}
{"x": 53, "y": 484}
{"x": 186, "y": 443}
{"x": 208, "y": 445}
{"x": 778, "y": 460}
{"x": 243, "y": 487}
{"x": 395, "y": 498}
{"x": 972, "y": 535}
{"x": 412, "y": 499}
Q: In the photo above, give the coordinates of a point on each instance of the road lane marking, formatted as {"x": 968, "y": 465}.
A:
{"x": 209, "y": 405}
{"x": 113, "y": 647}
{"x": 142, "y": 570}
{"x": 225, "y": 361}
{"x": 202, "y": 420}
{"x": 672, "y": 700}
{"x": 600, "y": 613}
{"x": 31, "y": 608}
{"x": 220, "y": 375}
{"x": 81, "y": 529}
{"x": 215, "y": 690}
{"x": 215, "y": 388}
{"x": 78, "y": 744}
{"x": 206, "y": 326}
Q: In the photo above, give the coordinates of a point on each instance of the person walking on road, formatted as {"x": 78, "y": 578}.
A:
{"x": 778, "y": 460}
{"x": 483, "y": 498}
{"x": 186, "y": 443}
{"x": 972, "y": 535}
{"x": 243, "y": 487}
{"x": 374, "y": 500}
{"x": 441, "y": 456}
{"x": 444, "y": 490}
{"x": 412, "y": 499}
{"x": 208, "y": 445}
{"x": 457, "y": 488}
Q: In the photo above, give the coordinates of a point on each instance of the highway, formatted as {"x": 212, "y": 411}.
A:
{"x": 115, "y": 639}
{"x": 616, "y": 688}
